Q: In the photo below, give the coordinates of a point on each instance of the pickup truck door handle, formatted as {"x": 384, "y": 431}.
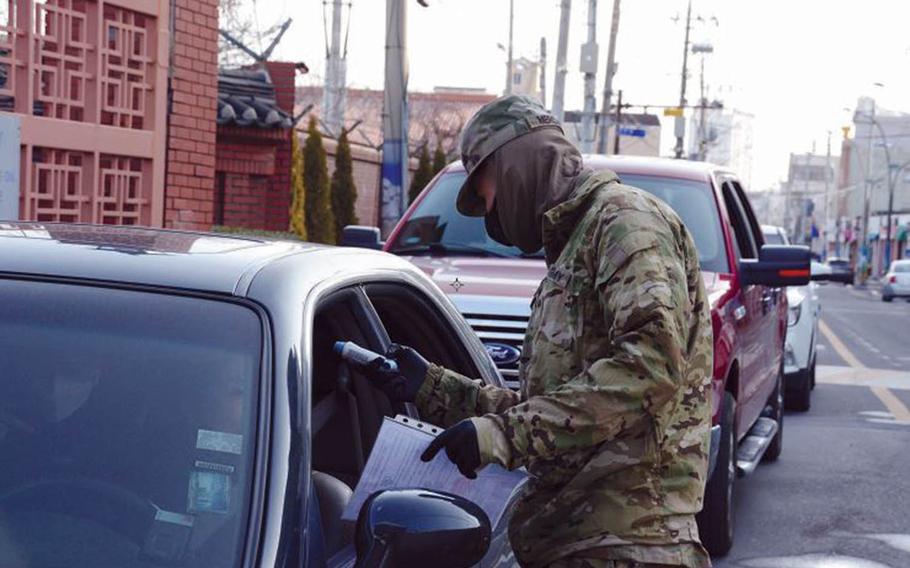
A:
{"x": 767, "y": 301}
{"x": 739, "y": 313}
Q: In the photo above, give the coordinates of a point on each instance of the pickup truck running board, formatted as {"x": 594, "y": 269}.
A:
{"x": 753, "y": 446}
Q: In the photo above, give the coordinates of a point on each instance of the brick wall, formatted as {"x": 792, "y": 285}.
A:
{"x": 189, "y": 186}
{"x": 244, "y": 201}
{"x": 278, "y": 203}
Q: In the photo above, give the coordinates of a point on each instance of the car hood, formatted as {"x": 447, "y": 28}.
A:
{"x": 514, "y": 278}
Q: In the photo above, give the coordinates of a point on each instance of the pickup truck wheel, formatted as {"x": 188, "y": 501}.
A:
{"x": 715, "y": 521}
{"x": 776, "y": 402}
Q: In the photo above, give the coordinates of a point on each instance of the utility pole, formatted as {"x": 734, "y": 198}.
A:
{"x": 335, "y": 75}
{"x": 543, "y": 71}
{"x": 618, "y": 122}
{"x": 608, "y": 82}
{"x": 867, "y": 191}
{"x": 827, "y": 205}
{"x": 508, "y": 90}
{"x": 680, "y": 129}
{"x": 394, "y": 117}
{"x": 702, "y": 135}
{"x": 589, "y": 68}
{"x": 559, "y": 81}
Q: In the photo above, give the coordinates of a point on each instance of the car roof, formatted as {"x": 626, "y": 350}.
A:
{"x": 139, "y": 255}
{"x": 644, "y": 165}
{"x": 771, "y": 229}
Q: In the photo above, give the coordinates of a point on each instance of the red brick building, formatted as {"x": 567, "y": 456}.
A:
{"x": 253, "y": 147}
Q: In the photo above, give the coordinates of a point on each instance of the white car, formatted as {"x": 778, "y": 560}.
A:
{"x": 802, "y": 331}
{"x": 897, "y": 281}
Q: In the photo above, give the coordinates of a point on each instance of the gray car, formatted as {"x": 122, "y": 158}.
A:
{"x": 172, "y": 399}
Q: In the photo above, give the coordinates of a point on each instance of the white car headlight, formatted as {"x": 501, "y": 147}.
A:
{"x": 795, "y": 300}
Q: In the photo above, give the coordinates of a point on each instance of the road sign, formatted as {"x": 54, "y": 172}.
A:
{"x": 636, "y": 132}
{"x": 675, "y": 111}
{"x": 9, "y": 166}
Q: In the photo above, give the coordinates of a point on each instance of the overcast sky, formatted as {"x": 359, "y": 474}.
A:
{"x": 794, "y": 64}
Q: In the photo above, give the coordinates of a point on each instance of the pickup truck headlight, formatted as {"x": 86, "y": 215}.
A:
{"x": 795, "y": 300}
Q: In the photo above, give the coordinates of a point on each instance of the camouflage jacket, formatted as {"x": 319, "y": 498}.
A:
{"x": 613, "y": 418}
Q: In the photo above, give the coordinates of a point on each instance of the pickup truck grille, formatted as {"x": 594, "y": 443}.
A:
{"x": 501, "y": 330}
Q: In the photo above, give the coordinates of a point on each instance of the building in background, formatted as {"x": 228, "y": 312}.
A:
{"x": 809, "y": 204}
{"x": 434, "y": 118}
{"x": 769, "y": 205}
{"x": 879, "y": 156}
{"x": 727, "y": 136}
{"x": 253, "y": 147}
{"x": 525, "y": 77}
{"x": 113, "y": 105}
{"x": 639, "y": 133}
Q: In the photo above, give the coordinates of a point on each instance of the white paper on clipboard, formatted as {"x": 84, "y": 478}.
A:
{"x": 394, "y": 463}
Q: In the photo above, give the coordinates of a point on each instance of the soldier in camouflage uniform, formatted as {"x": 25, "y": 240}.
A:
{"x": 614, "y": 414}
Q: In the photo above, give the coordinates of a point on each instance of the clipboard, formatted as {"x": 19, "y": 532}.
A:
{"x": 394, "y": 463}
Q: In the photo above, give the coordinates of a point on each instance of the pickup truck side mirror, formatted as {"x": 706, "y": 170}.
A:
{"x": 419, "y": 527}
{"x": 777, "y": 265}
{"x": 362, "y": 237}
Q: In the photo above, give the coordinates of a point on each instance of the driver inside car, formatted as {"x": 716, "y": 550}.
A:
{"x": 614, "y": 413}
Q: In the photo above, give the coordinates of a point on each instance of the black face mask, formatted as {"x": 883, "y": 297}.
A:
{"x": 494, "y": 227}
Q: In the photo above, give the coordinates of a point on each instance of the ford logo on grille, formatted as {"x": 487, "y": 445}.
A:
{"x": 503, "y": 353}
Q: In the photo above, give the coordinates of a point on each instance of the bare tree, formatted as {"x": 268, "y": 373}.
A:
{"x": 237, "y": 17}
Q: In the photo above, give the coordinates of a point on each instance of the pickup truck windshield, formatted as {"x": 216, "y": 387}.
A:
{"x": 436, "y": 227}
{"x": 127, "y": 427}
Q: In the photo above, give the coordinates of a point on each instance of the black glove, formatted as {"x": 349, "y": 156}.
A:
{"x": 460, "y": 442}
{"x": 412, "y": 370}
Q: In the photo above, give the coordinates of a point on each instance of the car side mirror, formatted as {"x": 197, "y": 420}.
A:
{"x": 419, "y": 527}
{"x": 361, "y": 236}
{"x": 777, "y": 265}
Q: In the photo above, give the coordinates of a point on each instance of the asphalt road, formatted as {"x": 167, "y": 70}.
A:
{"x": 839, "y": 497}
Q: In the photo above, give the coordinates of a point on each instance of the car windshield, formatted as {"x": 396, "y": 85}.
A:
{"x": 127, "y": 422}
{"x": 838, "y": 262}
{"x": 773, "y": 238}
{"x": 902, "y": 267}
{"x": 436, "y": 226}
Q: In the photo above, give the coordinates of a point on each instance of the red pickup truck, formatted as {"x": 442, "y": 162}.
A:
{"x": 491, "y": 285}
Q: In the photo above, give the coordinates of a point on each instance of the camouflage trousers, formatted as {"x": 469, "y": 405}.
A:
{"x": 598, "y": 563}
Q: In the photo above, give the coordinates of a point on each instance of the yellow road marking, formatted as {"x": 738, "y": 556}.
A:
{"x": 839, "y": 346}
{"x": 891, "y": 402}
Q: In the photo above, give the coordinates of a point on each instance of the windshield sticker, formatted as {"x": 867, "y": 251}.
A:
{"x": 219, "y": 467}
{"x": 168, "y": 537}
{"x": 209, "y": 492}
{"x": 219, "y": 441}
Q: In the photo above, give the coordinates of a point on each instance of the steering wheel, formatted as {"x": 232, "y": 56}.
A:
{"x": 104, "y": 502}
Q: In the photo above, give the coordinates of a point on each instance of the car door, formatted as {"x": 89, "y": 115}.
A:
{"x": 423, "y": 318}
{"x": 774, "y": 315}
{"x": 750, "y": 315}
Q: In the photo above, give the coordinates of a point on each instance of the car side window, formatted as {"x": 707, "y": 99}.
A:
{"x": 745, "y": 240}
{"x": 754, "y": 227}
{"x": 414, "y": 319}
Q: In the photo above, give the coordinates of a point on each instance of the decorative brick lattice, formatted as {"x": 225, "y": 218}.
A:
{"x": 57, "y": 192}
{"x": 8, "y": 35}
{"x": 62, "y": 55}
{"x": 126, "y": 68}
{"x": 122, "y": 197}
